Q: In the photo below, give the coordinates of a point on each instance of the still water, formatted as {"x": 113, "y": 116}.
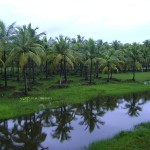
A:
{"x": 75, "y": 127}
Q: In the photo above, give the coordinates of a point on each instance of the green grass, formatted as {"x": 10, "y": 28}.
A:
{"x": 138, "y": 139}
{"x": 43, "y": 97}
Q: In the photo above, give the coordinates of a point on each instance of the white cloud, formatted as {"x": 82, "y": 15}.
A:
{"x": 89, "y": 17}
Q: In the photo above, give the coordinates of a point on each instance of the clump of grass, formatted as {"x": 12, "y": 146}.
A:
{"x": 138, "y": 139}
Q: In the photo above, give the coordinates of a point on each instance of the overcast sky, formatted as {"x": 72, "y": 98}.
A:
{"x": 123, "y": 20}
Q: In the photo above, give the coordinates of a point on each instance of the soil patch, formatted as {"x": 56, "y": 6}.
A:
{"x": 2, "y": 88}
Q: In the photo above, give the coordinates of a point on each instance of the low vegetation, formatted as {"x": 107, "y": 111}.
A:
{"x": 138, "y": 139}
{"x": 47, "y": 93}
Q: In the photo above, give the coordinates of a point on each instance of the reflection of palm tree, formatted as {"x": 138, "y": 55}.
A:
{"x": 90, "y": 116}
{"x": 47, "y": 118}
{"x": 63, "y": 118}
{"x": 109, "y": 103}
{"x": 5, "y": 137}
{"x": 28, "y": 135}
{"x": 134, "y": 105}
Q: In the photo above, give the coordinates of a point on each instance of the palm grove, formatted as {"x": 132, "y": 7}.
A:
{"x": 25, "y": 54}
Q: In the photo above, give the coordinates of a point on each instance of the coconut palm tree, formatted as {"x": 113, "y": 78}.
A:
{"x": 77, "y": 45}
{"x": 63, "y": 55}
{"x": 1, "y": 61}
{"x": 6, "y": 34}
{"x": 91, "y": 55}
{"x": 133, "y": 57}
{"x": 146, "y": 53}
{"x": 26, "y": 47}
{"x": 110, "y": 61}
{"x": 50, "y": 55}
{"x": 116, "y": 45}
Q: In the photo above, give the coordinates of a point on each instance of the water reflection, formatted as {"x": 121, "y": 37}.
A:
{"x": 64, "y": 116}
{"x": 134, "y": 105}
{"x": 27, "y": 132}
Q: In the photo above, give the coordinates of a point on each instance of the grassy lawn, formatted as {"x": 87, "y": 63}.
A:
{"x": 138, "y": 139}
{"x": 42, "y": 95}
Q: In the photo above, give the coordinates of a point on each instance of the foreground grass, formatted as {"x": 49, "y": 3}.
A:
{"x": 138, "y": 139}
{"x": 42, "y": 96}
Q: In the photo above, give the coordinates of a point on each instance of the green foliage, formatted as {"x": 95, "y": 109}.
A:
{"x": 138, "y": 139}
{"x": 75, "y": 93}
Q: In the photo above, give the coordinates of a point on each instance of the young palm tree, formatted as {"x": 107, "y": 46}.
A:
{"x": 26, "y": 47}
{"x": 6, "y": 34}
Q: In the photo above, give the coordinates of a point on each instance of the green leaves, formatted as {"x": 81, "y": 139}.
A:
{"x": 23, "y": 59}
{"x": 26, "y": 46}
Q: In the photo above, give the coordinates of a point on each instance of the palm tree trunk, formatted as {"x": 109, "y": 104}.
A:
{"x": 65, "y": 73}
{"x": 96, "y": 70}
{"x": 133, "y": 72}
{"x": 12, "y": 69}
{"x": 81, "y": 69}
{"x": 46, "y": 69}
{"x": 61, "y": 68}
{"x": 18, "y": 72}
{"x": 5, "y": 71}
{"x": 111, "y": 74}
{"x": 91, "y": 67}
{"x": 86, "y": 72}
{"x": 133, "y": 75}
{"x": 33, "y": 72}
{"x": 25, "y": 80}
{"x": 108, "y": 74}
{"x": 146, "y": 66}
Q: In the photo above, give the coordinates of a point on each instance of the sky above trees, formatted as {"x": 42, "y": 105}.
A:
{"x": 123, "y": 20}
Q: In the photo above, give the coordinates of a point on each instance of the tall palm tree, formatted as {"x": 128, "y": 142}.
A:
{"x": 133, "y": 57}
{"x": 1, "y": 61}
{"x": 116, "y": 45}
{"x": 50, "y": 55}
{"x": 91, "y": 54}
{"x": 63, "y": 55}
{"x": 26, "y": 47}
{"x": 146, "y": 53}
{"x": 77, "y": 45}
{"x": 6, "y": 34}
{"x": 110, "y": 61}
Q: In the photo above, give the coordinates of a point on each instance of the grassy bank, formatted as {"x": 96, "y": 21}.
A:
{"x": 138, "y": 139}
{"x": 43, "y": 94}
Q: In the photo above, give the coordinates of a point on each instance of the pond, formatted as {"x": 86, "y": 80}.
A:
{"x": 75, "y": 127}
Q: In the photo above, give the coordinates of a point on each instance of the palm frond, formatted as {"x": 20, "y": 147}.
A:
{"x": 34, "y": 57}
{"x": 23, "y": 59}
{"x": 69, "y": 61}
{"x": 58, "y": 59}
